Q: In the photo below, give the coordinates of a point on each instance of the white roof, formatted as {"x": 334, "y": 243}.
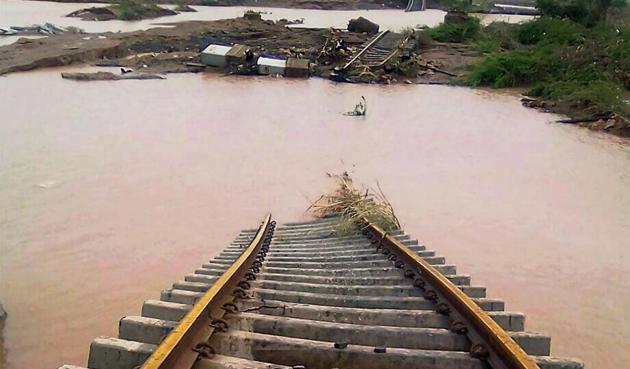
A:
{"x": 216, "y": 49}
{"x": 281, "y": 63}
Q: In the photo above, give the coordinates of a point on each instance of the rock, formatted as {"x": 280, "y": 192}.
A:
{"x": 3, "y": 314}
{"x": 361, "y": 25}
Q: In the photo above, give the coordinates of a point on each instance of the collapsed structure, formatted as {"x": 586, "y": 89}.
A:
{"x": 242, "y": 59}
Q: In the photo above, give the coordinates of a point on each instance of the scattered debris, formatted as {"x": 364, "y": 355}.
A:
{"x": 39, "y": 29}
{"x": 241, "y": 59}
{"x": 295, "y": 52}
{"x": 287, "y": 22}
{"x": 594, "y": 118}
{"x": 108, "y": 76}
{"x": 360, "y": 109}
{"x": 7, "y": 32}
{"x": 362, "y": 25}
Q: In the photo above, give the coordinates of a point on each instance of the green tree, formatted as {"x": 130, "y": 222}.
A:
{"x": 588, "y": 12}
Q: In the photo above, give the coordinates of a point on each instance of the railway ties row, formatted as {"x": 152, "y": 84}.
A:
{"x": 320, "y": 301}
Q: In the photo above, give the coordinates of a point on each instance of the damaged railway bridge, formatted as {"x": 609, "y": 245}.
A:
{"x": 300, "y": 295}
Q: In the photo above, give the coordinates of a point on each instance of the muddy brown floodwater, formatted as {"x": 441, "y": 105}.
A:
{"x": 23, "y": 13}
{"x": 113, "y": 190}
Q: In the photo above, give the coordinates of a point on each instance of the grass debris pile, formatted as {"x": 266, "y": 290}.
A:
{"x": 352, "y": 205}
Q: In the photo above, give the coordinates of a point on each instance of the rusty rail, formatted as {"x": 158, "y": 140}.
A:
{"x": 488, "y": 340}
{"x": 189, "y": 340}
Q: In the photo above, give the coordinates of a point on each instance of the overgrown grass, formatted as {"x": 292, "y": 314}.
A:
{"x": 578, "y": 69}
{"x": 136, "y": 9}
{"x": 352, "y": 205}
{"x": 455, "y": 32}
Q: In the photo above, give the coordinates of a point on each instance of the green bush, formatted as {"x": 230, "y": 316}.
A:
{"x": 495, "y": 37}
{"x": 589, "y": 98}
{"x": 550, "y": 31}
{"x": 576, "y": 10}
{"x": 456, "y": 32}
{"x": 136, "y": 9}
{"x": 577, "y": 69}
{"x": 501, "y": 70}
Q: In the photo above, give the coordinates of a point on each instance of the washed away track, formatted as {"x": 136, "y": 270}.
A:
{"x": 299, "y": 296}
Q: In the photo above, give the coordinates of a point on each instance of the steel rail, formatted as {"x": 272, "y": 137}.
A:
{"x": 188, "y": 341}
{"x": 488, "y": 340}
{"x": 365, "y": 49}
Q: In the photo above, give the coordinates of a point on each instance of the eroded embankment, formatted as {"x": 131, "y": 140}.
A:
{"x": 174, "y": 42}
{"x": 177, "y": 50}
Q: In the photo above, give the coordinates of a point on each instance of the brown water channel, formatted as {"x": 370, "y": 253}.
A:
{"x": 113, "y": 190}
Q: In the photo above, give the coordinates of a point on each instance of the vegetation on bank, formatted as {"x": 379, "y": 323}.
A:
{"x": 352, "y": 205}
{"x": 128, "y": 10}
{"x": 575, "y": 58}
{"x": 138, "y": 9}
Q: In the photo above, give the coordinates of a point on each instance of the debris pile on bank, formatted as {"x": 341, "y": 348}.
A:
{"x": 247, "y": 45}
{"x": 241, "y": 59}
{"x": 38, "y": 29}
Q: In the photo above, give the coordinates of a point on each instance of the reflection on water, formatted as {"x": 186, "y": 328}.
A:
{"x": 113, "y": 190}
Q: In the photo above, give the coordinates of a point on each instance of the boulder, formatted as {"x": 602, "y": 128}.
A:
{"x": 361, "y": 25}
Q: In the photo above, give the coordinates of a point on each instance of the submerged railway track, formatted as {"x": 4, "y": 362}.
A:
{"x": 299, "y": 296}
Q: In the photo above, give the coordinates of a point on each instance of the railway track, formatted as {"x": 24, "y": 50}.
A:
{"x": 377, "y": 50}
{"x": 299, "y": 296}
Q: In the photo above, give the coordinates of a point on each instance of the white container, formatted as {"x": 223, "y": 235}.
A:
{"x": 271, "y": 66}
{"x": 215, "y": 55}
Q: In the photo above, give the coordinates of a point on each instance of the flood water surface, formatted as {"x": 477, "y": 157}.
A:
{"x": 113, "y": 190}
{"x": 24, "y": 13}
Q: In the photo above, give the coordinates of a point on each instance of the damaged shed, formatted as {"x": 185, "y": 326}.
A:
{"x": 221, "y": 56}
{"x": 298, "y": 67}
